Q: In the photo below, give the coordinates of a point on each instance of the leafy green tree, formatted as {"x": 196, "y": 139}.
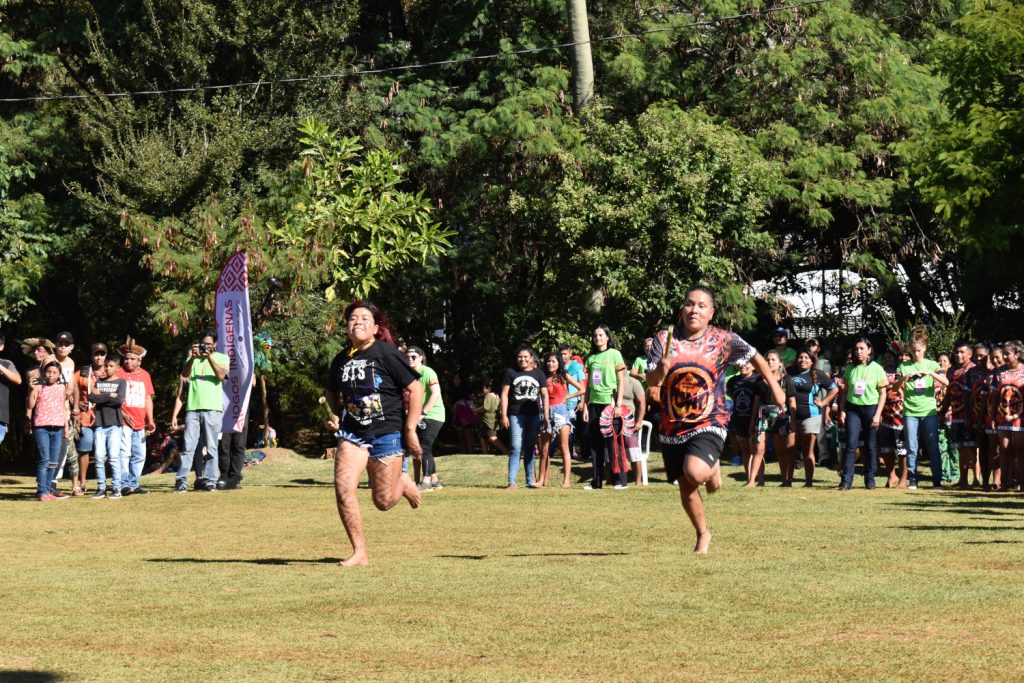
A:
{"x": 970, "y": 165}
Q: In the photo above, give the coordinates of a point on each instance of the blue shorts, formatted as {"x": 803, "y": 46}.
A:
{"x": 379, "y": 446}
{"x": 85, "y": 439}
{"x": 559, "y": 418}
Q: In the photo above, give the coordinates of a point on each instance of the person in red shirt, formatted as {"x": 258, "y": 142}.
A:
{"x": 138, "y": 415}
{"x": 690, "y": 368}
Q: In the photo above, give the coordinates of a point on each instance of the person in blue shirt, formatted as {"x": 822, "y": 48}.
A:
{"x": 815, "y": 391}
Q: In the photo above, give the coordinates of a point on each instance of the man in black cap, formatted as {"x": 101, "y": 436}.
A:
{"x": 788, "y": 355}
{"x": 8, "y": 377}
{"x": 65, "y": 345}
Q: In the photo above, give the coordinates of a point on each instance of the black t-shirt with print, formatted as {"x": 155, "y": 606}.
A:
{"x": 370, "y": 383}
{"x": 524, "y": 390}
{"x": 743, "y": 391}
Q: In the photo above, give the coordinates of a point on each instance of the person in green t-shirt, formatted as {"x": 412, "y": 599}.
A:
{"x": 606, "y": 380}
{"x": 488, "y": 413}
{"x": 918, "y": 377}
{"x": 639, "y": 369}
{"x": 781, "y": 339}
{"x": 205, "y": 370}
{"x": 860, "y": 411}
{"x": 431, "y": 421}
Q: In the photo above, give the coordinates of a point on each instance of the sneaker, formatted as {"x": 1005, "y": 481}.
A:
{"x": 591, "y": 487}
{"x": 116, "y": 495}
{"x": 619, "y": 487}
{"x": 424, "y": 486}
{"x": 57, "y": 495}
{"x": 127, "y": 491}
{"x": 437, "y": 485}
{"x": 99, "y": 495}
{"x": 139, "y": 491}
{"x": 181, "y": 487}
{"x": 912, "y": 487}
{"x": 209, "y": 486}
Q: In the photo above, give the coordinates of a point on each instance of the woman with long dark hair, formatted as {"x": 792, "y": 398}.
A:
{"x": 365, "y": 385}
{"x": 524, "y": 405}
{"x": 860, "y": 410}
{"x": 815, "y": 391}
{"x": 606, "y": 379}
{"x": 559, "y": 394}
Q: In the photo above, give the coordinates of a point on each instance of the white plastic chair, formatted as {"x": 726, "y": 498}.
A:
{"x": 645, "y": 448}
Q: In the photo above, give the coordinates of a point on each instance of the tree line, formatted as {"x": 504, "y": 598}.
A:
{"x": 878, "y": 136}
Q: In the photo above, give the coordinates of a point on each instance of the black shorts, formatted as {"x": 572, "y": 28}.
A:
{"x": 707, "y": 446}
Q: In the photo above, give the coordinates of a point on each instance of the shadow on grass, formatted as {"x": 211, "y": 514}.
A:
{"x": 271, "y": 561}
{"x": 484, "y": 557}
{"x": 996, "y": 542}
{"x": 956, "y": 527}
{"x": 22, "y": 676}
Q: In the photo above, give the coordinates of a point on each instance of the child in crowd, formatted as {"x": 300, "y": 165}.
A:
{"x": 107, "y": 396}
{"x": 48, "y": 412}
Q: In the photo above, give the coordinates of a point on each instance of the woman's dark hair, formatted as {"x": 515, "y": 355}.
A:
{"x": 208, "y": 332}
{"x": 867, "y": 343}
{"x": 526, "y": 347}
{"x": 559, "y": 373}
{"x": 814, "y": 364}
{"x": 384, "y": 331}
{"x": 700, "y": 288}
{"x": 611, "y": 339}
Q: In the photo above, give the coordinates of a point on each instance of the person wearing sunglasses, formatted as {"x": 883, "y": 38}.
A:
{"x": 432, "y": 420}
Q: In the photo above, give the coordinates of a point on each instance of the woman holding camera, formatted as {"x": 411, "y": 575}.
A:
{"x": 917, "y": 377}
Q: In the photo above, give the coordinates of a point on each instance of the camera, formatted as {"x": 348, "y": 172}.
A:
{"x": 204, "y": 348}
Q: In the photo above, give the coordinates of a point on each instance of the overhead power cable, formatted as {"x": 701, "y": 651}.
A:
{"x": 754, "y": 13}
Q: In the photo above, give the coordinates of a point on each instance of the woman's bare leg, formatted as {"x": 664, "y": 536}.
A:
{"x": 807, "y": 448}
{"x": 349, "y": 463}
{"x": 755, "y": 473}
{"x": 695, "y": 473}
{"x": 390, "y": 484}
{"x": 563, "y": 443}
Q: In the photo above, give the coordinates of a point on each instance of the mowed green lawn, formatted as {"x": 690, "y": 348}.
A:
{"x": 487, "y": 584}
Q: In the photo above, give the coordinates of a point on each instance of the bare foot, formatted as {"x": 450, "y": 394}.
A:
{"x": 358, "y": 559}
{"x": 749, "y": 485}
{"x": 703, "y": 541}
{"x": 902, "y": 484}
{"x": 412, "y": 494}
{"x": 715, "y": 482}
{"x": 565, "y": 484}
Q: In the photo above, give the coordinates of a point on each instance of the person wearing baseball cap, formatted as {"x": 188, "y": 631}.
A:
{"x": 65, "y": 344}
{"x": 781, "y": 338}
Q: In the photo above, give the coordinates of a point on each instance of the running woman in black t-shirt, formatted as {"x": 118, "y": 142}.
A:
{"x": 365, "y": 385}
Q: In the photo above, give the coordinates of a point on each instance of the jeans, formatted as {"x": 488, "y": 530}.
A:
{"x": 209, "y": 421}
{"x": 50, "y": 442}
{"x": 3, "y": 431}
{"x": 522, "y": 429}
{"x": 107, "y": 448}
{"x": 858, "y": 425}
{"x": 930, "y": 426}
{"x": 133, "y": 455}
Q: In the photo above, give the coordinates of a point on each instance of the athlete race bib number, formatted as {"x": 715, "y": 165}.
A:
{"x": 919, "y": 385}
{"x": 859, "y": 388}
{"x": 595, "y": 377}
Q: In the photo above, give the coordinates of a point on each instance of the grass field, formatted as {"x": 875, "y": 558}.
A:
{"x": 483, "y": 584}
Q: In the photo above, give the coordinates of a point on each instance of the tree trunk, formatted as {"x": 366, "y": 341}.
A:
{"x": 582, "y": 61}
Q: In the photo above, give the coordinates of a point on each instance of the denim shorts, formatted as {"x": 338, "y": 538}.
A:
{"x": 379, "y": 445}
